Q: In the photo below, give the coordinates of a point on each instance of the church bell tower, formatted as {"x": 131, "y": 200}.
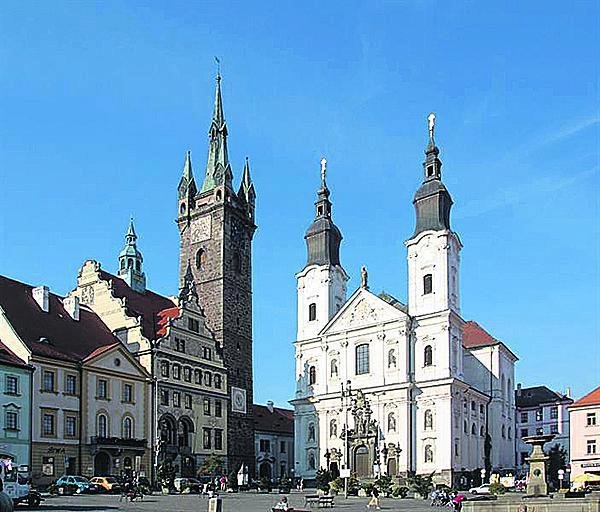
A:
{"x": 216, "y": 227}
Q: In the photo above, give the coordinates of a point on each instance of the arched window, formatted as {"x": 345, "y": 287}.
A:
{"x": 334, "y": 368}
{"x": 200, "y": 258}
{"x": 311, "y": 431}
{"x": 391, "y": 358}
{"x": 428, "y": 420}
{"x": 127, "y": 428}
{"x": 509, "y": 392}
{"x": 129, "y": 263}
{"x": 186, "y": 428}
{"x": 481, "y": 431}
{"x": 503, "y": 431}
{"x": 311, "y": 461}
{"x": 473, "y": 429}
{"x": 473, "y": 406}
{"x": 503, "y": 390}
{"x": 237, "y": 263}
{"x": 168, "y": 430}
{"x": 428, "y": 453}
{"x": 428, "y": 356}
{"x": 122, "y": 264}
{"x": 333, "y": 428}
{"x": 138, "y": 265}
{"x": 465, "y": 427}
{"x": 312, "y": 311}
{"x": 509, "y": 432}
{"x": 362, "y": 359}
{"x": 427, "y": 284}
{"x": 391, "y": 422}
{"x": 102, "y": 427}
{"x": 312, "y": 375}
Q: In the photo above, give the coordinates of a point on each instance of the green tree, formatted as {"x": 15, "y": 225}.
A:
{"x": 322, "y": 479}
{"x": 557, "y": 460}
{"x": 421, "y": 484}
{"x": 212, "y": 465}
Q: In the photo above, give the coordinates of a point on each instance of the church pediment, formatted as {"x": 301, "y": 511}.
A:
{"x": 362, "y": 309}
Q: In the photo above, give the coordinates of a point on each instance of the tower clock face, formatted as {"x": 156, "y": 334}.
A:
{"x": 238, "y": 400}
{"x": 201, "y": 229}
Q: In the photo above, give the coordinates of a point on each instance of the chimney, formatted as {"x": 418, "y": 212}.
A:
{"x": 71, "y": 305}
{"x": 568, "y": 392}
{"x": 519, "y": 389}
{"x": 270, "y": 405}
{"x": 41, "y": 294}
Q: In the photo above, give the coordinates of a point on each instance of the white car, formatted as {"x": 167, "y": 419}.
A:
{"x": 482, "y": 489}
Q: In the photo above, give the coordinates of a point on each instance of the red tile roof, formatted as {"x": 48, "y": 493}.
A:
{"x": 164, "y": 317}
{"x": 592, "y": 398}
{"x": 280, "y": 421}
{"x": 146, "y": 305}
{"x": 66, "y": 339}
{"x": 476, "y": 336}
{"x": 7, "y": 357}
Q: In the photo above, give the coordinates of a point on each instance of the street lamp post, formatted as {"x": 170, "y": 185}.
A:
{"x": 346, "y": 395}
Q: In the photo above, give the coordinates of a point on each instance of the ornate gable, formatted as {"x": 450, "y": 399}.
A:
{"x": 362, "y": 309}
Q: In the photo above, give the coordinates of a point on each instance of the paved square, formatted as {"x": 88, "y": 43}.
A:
{"x": 240, "y": 502}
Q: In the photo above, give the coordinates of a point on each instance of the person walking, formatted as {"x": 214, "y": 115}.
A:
{"x": 374, "y": 503}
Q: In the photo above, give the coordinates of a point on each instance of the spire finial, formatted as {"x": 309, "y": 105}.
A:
{"x": 218, "y": 62}
{"x": 431, "y": 122}
{"x": 323, "y": 170}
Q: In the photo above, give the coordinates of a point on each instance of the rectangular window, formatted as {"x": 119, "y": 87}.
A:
{"x": 206, "y": 438}
{"x": 282, "y": 448}
{"x": 427, "y": 284}
{"x": 218, "y": 439}
{"x": 539, "y": 431}
{"x": 12, "y": 420}
{"x": 179, "y": 345}
{"x": 591, "y": 447}
{"x": 164, "y": 397}
{"x": 312, "y": 312}
{"x": 48, "y": 427}
{"x": 554, "y": 413}
{"x": 539, "y": 415}
{"x": 591, "y": 419}
{"x": 207, "y": 378}
{"x": 188, "y": 401}
{"x": 176, "y": 371}
{"x": 218, "y": 408}
{"x": 48, "y": 381}
{"x": 524, "y": 417}
{"x": 102, "y": 389}
{"x": 524, "y": 456}
{"x": 524, "y": 432}
{"x": 206, "y": 353}
{"x": 265, "y": 445}
{"x": 198, "y": 376}
{"x": 11, "y": 385}
{"x": 164, "y": 369}
{"x": 127, "y": 393}
{"x": 554, "y": 428}
{"x": 176, "y": 399}
{"x": 48, "y": 466}
{"x": 193, "y": 325}
{"x": 362, "y": 359}
{"x": 481, "y": 409}
{"x": 187, "y": 374}
{"x": 70, "y": 426}
{"x": 217, "y": 381}
{"x": 207, "y": 407}
{"x": 71, "y": 385}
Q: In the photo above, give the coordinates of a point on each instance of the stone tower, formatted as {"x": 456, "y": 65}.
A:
{"x": 216, "y": 227}
{"x": 322, "y": 281}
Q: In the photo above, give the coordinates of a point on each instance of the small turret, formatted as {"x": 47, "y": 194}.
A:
{"x": 246, "y": 192}
{"x": 188, "y": 290}
{"x": 186, "y": 191}
{"x": 130, "y": 262}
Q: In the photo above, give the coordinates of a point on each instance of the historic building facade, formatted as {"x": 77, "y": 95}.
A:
{"x": 216, "y": 227}
{"x": 274, "y": 441}
{"x": 585, "y": 435}
{"x": 384, "y": 387}
{"x": 169, "y": 337}
{"x": 90, "y": 397}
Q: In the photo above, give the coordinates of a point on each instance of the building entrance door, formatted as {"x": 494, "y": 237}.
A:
{"x": 362, "y": 467}
{"x": 391, "y": 467}
{"x": 102, "y": 464}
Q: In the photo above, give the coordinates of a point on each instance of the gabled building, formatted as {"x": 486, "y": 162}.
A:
{"x": 274, "y": 441}
{"x": 388, "y": 388}
{"x": 170, "y": 339}
{"x": 584, "y": 422}
{"x": 90, "y": 396}
{"x": 15, "y": 417}
{"x": 540, "y": 411}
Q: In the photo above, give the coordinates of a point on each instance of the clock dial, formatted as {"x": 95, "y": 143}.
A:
{"x": 201, "y": 229}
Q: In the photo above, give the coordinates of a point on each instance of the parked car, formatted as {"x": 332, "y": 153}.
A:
{"x": 188, "y": 485}
{"x": 482, "y": 489}
{"x": 75, "y": 484}
{"x": 106, "y": 484}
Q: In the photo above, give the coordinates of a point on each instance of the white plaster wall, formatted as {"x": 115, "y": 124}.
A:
{"x": 581, "y": 461}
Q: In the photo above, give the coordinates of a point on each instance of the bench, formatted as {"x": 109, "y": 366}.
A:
{"x": 326, "y": 501}
{"x": 311, "y": 499}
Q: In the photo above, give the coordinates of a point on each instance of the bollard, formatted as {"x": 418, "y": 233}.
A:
{"x": 215, "y": 504}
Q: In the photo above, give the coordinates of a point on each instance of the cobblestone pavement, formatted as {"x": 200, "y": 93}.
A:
{"x": 240, "y": 502}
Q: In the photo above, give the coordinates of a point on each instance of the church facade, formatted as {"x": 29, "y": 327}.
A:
{"x": 390, "y": 388}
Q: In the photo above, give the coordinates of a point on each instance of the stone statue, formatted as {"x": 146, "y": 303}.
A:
{"x": 323, "y": 170}
{"x": 431, "y": 121}
{"x": 364, "y": 278}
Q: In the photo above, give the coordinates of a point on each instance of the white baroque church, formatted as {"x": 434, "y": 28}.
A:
{"x": 389, "y": 388}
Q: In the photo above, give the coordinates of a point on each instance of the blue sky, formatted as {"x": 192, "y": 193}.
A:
{"x": 100, "y": 101}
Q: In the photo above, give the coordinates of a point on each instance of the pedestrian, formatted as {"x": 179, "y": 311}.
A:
{"x": 301, "y": 484}
{"x": 374, "y": 499}
{"x": 6, "y": 504}
{"x": 283, "y": 504}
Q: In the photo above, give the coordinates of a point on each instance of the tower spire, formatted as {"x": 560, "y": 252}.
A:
{"x": 131, "y": 260}
{"x": 187, "y": 184}
{"x": 188, "y": 289}
{"x": 218, "y": 168}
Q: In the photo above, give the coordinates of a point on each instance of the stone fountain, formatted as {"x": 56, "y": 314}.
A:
{"x": 537, "y": 498}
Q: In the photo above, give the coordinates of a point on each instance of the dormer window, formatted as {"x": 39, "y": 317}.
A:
{"x": 427, "y": 284}
{"x": 312, "y": 311}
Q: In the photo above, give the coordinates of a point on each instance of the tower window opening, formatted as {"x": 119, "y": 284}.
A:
{"x": 312, "y": 375}
{"x": 430, "y": 170}
{"x": 182, "y": 208}
{"x": 199, "y": 258}
{"x": 427, "y": 284}
{"x": 219, "y": 195}
{"x": 129, "y": 263}
{"x": 138, "y": 265}
{"x": 428, "y": 356}
{"x": 320, "y": 209}
{"x": 122, "y": 264}
{"x": 312, "y": 311}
